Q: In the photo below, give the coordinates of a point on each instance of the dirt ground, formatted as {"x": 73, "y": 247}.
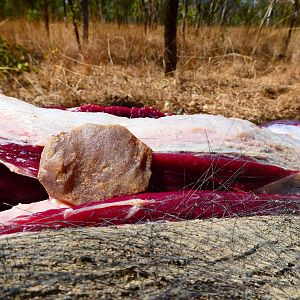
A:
{"x": 244, "y": 258}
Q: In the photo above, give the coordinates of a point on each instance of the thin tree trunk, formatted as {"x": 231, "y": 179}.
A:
{"x": 65, "y": 12}
{"x": 85, "y": 17}
{"x": 156, "y": 14}
{"x": 145, "y": 15}
{"x": 118, "y": 13}
{"x": 185, "y": 12}
{"x": 198, "y": 20}
{"x": 150, "y": 14}
{"x": 270, "y": 13}
{"x": 154, "y": 10}
{"x": 250, "y": 13}
{"x": 212, "y": 10}
{"x": 170, "y": 34}
{"x": 292, "y": 24}
{"x": 100, "y": 10}
{"x": 224, "y": 11}
{"x": 74, "y": 18}
{"x": 46, "y": 17}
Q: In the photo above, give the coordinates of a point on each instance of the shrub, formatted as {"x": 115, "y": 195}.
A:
{"x": 13, "y": 59}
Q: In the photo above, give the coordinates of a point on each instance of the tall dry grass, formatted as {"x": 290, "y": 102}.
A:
{"x": 220, "y": 70}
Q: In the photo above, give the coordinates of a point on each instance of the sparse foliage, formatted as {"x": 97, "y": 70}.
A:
{"x": 13, "y": 59}
{"x": 151, "y": 12}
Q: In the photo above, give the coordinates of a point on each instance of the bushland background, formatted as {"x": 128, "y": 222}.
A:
{"x": 236, "y": 58}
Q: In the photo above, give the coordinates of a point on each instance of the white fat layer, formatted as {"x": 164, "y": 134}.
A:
{"x": 291, "y": 130}
{"x": 7, "y": 216}
{"x": 135, "y": 203}
{"x": 24, "y": 123}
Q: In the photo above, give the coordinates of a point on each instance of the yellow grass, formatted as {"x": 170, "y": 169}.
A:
{"x": 217, "y": 71}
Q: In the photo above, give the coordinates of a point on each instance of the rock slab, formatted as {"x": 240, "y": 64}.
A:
{"x": 94, "y": 162}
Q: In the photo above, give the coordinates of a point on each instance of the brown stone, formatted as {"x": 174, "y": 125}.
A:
{"x": 94, "y": 162}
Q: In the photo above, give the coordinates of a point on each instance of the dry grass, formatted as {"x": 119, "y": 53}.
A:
{"x": 217, "y": 72}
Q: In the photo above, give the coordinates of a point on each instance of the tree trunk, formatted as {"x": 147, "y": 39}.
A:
{"x": 212, "y": 10}
{"x": 100, "y": 10}
{"x": 250, "y": 13}
{"x": 46, "y": 17}
{"x": 65, "y": 12}
{"x": 270, "y": 13}
{"x": 156, "y": 14}
{"x": 224, "y": 11}
{"x": 118, "y": 13}
{"x": 198, "y": 18}
{"x": 85, "y": 17}
{"x": 292, "y": 24}
{"x": 145, "y": 15}
{"x": 185, "y": 12}
{"x": 171, "y": 11}
{"x": 74, "y": 18}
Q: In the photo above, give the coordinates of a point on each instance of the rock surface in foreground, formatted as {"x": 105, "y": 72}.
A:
{"x": 94, "y": 162}
{"x": 253, "y": 258}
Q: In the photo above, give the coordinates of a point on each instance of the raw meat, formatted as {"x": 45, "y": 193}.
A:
{"x": 170, "y": 172}
{"x": 134, "y": 112}
{"x": 225, "y": 155}
{"x": 26, "y": 125}
{"x": 170, "y": 206}
{"x": 15, "y": 188}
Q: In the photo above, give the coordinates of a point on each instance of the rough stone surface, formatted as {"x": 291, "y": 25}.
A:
{"x": 239, "y": 258}
{"x": 94, "y": 162}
